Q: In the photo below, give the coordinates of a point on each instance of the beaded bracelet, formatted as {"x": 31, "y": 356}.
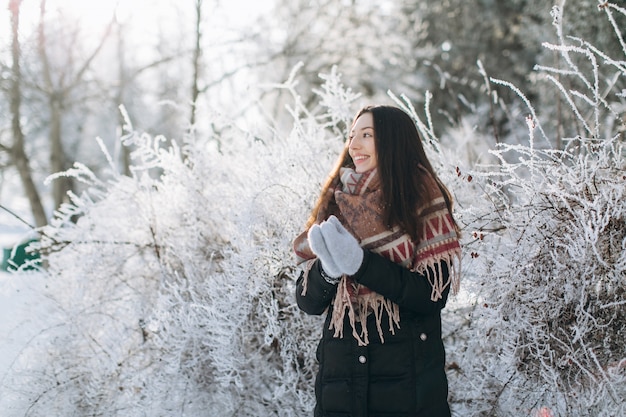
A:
{"x": 328, "y": 278}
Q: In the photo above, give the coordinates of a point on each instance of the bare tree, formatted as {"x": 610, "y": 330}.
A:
{"x": 197, "y": 50}
{"x": 17, "y": 150}
{"x": 127, "y": 77}
{"x": 57, "y": 87}
{"x": 371, "y": 47}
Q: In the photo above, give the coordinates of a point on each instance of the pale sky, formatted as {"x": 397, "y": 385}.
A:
{"x": 95, "y": 14}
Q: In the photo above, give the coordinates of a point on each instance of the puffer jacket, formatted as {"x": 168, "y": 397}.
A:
{"x": 402, "y": 377}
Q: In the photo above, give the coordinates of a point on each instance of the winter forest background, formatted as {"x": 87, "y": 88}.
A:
{"x": 162, "y": 156}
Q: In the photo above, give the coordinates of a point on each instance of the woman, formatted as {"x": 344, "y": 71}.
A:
{"x": 381, "y": 250}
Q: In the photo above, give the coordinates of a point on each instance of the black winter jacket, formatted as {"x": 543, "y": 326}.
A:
{"x": 402, "y": 377}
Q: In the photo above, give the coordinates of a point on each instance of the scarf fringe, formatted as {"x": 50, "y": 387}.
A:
{"x": 431, "y": 270}
{"x": 305, "y": 278}
{"x": 367, "y": 304}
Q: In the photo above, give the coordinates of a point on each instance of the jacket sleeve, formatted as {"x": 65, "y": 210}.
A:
{"x": 410, "y": 290}
{"x": 318, "y": 292}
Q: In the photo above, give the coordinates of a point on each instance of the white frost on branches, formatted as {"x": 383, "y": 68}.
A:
{"x": 548, "y": 259}
{"x": 172, "y": 291}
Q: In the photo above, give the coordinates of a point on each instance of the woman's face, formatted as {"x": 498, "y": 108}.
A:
{"x": 362, "y": 148}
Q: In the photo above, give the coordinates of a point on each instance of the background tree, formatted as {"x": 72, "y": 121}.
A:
{"x": 17, "y": 150}
{"x": 197, "y": 51}
{"x": 370, "y": 45}
{"x": 61, "y": 84}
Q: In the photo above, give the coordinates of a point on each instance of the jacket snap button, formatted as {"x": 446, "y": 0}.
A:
{"x": 423, "y": 337}
{"x": 362, "y": 359}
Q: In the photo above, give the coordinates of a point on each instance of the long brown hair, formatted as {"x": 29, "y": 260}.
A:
{"x": 400, "y": 154}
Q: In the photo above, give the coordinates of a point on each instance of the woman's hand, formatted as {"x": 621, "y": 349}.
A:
{"x": 338, "y": 251}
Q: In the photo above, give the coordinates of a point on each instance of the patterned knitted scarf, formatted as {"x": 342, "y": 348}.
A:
{"x": 358, "y": 199}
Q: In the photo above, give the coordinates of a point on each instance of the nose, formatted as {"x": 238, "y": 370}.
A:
{"x": 354, "y": 143}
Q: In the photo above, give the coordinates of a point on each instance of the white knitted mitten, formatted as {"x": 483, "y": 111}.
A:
{"x": 318, "y": 246}
{"x": 339, "y": 250}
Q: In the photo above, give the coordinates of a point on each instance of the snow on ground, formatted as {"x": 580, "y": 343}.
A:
{"x": 25, "y": 317}
{"x": 24, "y": 308}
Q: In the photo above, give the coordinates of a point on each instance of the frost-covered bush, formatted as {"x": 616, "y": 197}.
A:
{"x": 547, "y": 254}
{"x": 172, "y": 291}
{"x": 175, "y": 287}
{"x": 551, "y": 282}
